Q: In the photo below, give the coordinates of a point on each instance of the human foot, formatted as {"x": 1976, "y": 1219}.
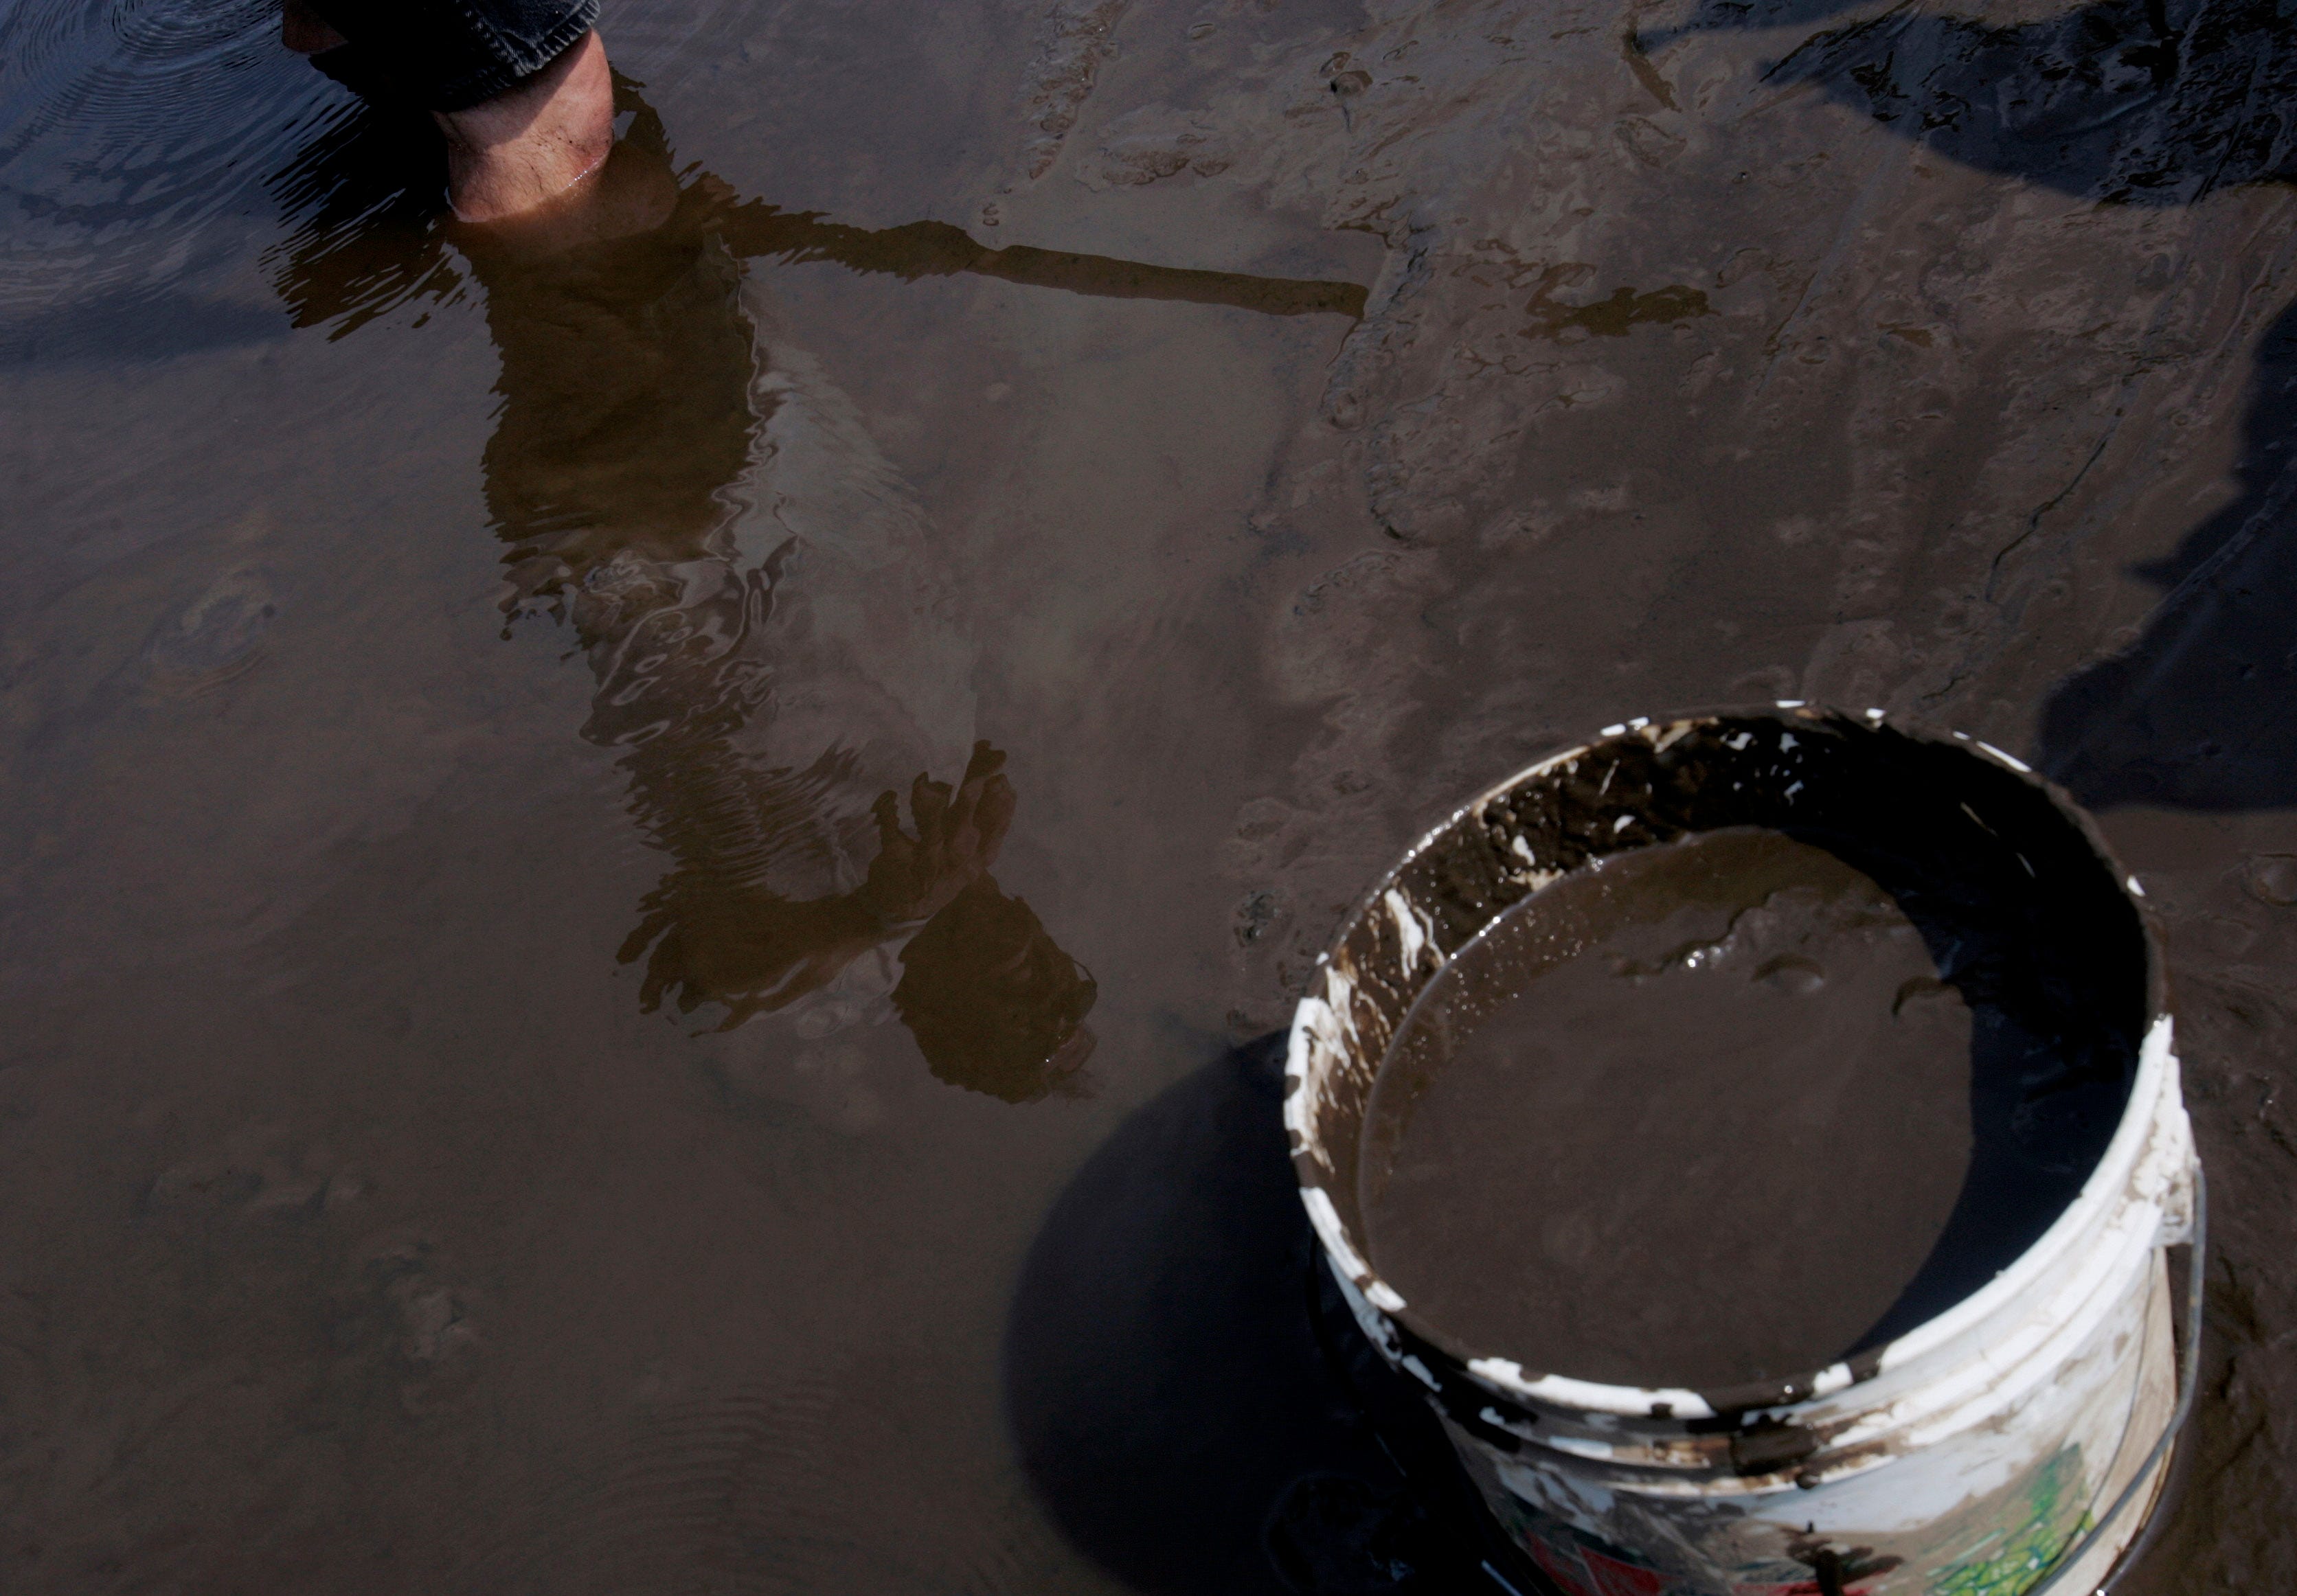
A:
{"x": 532, "y": 142}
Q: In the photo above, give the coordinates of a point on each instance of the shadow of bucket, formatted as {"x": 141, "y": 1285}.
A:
{"x": 2005, "y": 1431}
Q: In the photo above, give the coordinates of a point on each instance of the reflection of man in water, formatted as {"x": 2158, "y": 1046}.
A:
{"x": 772, "y": 639}
{"x": 775, "y": 649}
{"x": 769, "y": 624}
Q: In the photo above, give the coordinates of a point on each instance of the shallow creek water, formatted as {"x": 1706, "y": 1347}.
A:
{"x": 490, "y": 1099}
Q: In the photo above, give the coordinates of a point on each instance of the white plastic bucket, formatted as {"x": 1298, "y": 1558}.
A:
{"x": 2012, "y": 1444}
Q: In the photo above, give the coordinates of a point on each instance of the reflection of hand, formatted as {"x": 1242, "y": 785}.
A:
{"x": 958, "y": 836}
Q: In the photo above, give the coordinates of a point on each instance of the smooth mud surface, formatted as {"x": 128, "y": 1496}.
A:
{"x": 508, "y": 1081}
{"x": 1694, "y": 1117}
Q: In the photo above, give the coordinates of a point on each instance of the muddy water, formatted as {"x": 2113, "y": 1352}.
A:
{"x": 1695, "y": 1117}
{"x": 500, "y": 1112}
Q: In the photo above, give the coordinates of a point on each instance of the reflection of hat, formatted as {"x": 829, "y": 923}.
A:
{"x": 994, "y": 1004}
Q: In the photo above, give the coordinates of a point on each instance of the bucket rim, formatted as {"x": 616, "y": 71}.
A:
{"x": 2109, "y": 1181}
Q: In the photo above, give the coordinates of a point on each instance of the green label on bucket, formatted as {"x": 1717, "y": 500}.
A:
{"x": 2015, "y": 1560}
{"x": 2038, "y": 1519}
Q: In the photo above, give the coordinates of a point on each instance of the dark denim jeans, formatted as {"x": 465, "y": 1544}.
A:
{"x": 447, "y": 55}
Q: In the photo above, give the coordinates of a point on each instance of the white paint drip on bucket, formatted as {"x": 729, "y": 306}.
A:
{"x": 2012, "y": 1444}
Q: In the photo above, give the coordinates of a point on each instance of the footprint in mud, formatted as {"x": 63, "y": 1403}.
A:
{"x": 1076, "y": 40}
{"x": 402, "y": 1317}
{"x": 775, "y": 1076}
{"x": 431, "y": 1320}
{"x": 2272, "y": 878}
{"x": 216, "y": 637}
{"x": 1254, "y": 915}
{"x": 258, "y": 1173}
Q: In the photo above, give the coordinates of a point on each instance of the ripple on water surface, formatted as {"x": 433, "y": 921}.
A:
{"x": 128, "y": 131}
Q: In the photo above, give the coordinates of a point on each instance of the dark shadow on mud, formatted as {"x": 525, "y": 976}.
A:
{"x": 2145, "y": 103}
{"x": 2202, "y": 712}
{"x": 1191, "y": 1400}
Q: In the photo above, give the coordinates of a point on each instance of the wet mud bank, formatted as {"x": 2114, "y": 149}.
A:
{"x": 523, "y": 1112}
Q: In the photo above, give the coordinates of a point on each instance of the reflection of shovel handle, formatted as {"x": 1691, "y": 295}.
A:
{"x": 931, "y": 249}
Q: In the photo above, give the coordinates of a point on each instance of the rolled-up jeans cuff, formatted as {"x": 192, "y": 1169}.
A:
{"x": 452, "y": 54}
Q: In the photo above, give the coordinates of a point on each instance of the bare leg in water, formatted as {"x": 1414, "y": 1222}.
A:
{"x": 537, "y": 141}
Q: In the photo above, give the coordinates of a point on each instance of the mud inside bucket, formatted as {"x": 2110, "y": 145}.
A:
{"x": 1618, "y": 1118}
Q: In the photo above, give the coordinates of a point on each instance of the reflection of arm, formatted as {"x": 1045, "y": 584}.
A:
{"x": 994, "y": 1004}
{"x": 715, "y": 931}
{"x": 752, "y": 951}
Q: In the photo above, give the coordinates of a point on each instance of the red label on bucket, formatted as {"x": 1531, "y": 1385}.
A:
{"x": 1616, "y": 1578}
{"x": 1561, "y": 1564}
{"x": 1583, "y": 1571}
